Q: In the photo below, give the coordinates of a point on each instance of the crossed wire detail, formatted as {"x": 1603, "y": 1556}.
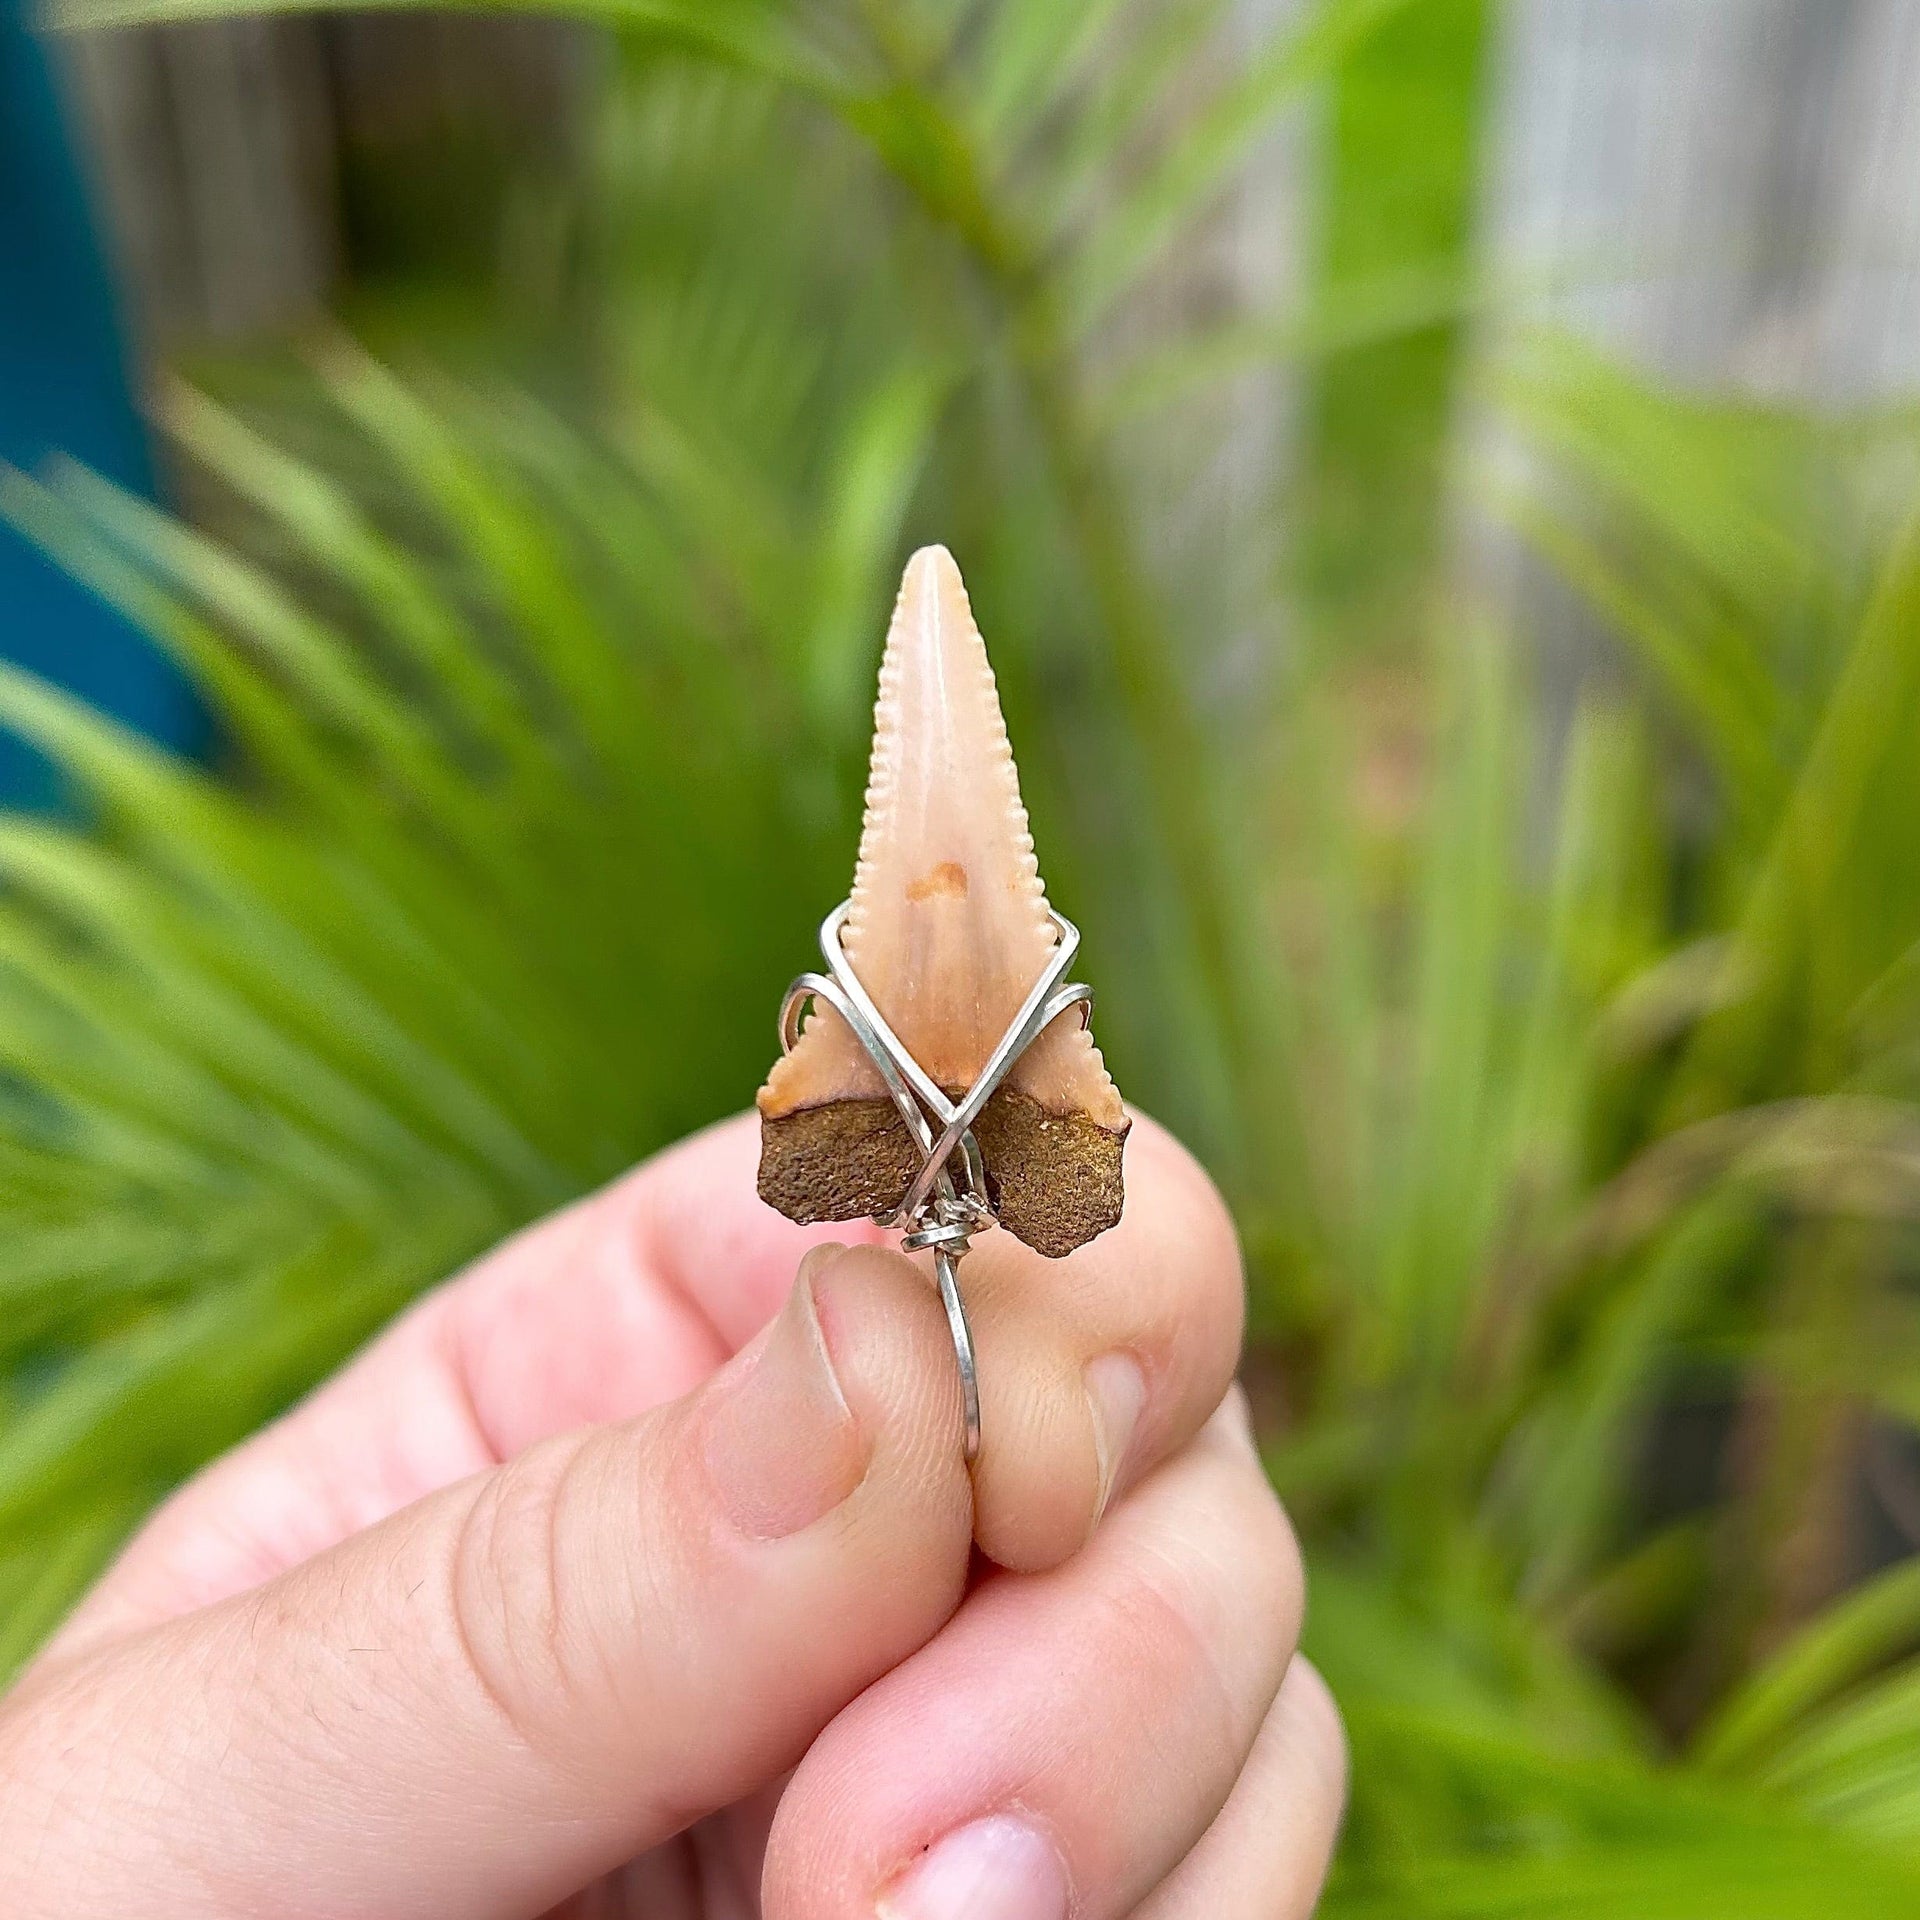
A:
{"x": 938, "y": 1210}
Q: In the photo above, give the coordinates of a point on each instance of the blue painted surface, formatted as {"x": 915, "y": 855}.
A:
{"x": 63, "y": 389}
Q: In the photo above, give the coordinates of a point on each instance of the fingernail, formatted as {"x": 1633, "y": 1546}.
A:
{"x": 1116, "y": 1391}
{"x": 782, "y": 1445}
{"x": 996, "y": 1869}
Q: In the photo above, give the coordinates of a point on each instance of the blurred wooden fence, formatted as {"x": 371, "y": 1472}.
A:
{"x": 225, "y": 150}
{"x": 1727, "y": 189}
{"x": 1724, "y": 192}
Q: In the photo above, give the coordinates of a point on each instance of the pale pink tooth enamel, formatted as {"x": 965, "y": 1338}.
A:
{"x": 948, "y": 928}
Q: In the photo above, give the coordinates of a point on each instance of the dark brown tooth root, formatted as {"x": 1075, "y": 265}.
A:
{"x": 1054, "y": 1179}
{"x": 844, "y": 1160}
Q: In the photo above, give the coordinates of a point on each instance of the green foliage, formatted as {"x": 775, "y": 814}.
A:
{"x": 1562, "y": 1073}
{"x": 1402, "y": 175}
{"x": 285, "y": 1047}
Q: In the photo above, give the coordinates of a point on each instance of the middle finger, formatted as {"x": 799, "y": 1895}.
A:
{"x": 1095, "y": 1368}
{"x": 1067, "y": 1737}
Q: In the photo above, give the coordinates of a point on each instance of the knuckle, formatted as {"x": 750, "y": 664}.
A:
{"x": 1158, "y": 1620}
{"x": 1244, "y": 1582}
{"x": 503, "y": 1600}
{"x": 1165, "y": 1619}
{"x": 1322, "y": 1729}
{"x": 1280, "y": 1573}
{"x": 1266, "y": 1548}
{"x": 565, "y": 1560}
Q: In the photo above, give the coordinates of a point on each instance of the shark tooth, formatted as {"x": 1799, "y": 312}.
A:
{"x": 948, "y": 930}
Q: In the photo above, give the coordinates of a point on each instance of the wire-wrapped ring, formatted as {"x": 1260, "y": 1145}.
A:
{"x": 933, "y": 1213}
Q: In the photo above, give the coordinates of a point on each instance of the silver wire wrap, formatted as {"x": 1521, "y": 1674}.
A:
{"x": 934, "y": 1212}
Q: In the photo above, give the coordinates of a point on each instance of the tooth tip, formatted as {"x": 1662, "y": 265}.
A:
{"x": 933, "y": 562}
{"x": 933, "y": 600}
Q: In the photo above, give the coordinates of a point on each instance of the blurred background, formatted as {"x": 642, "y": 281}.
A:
{"x": 1438, "y": 479}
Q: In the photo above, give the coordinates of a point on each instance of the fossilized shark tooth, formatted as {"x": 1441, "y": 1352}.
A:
{"x": 948, "y": 930}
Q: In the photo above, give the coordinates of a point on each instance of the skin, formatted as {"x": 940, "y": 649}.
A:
{"x": 636, "y": 1572}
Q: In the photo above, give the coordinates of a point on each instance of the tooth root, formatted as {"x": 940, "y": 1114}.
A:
{"x": 948, "y": 930}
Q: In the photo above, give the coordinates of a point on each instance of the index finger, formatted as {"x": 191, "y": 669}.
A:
{"x": 632, "y": 1296}
{"x": 616, "y": 1304}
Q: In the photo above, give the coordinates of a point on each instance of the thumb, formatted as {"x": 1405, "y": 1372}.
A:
{"x": 502, "y": 1692}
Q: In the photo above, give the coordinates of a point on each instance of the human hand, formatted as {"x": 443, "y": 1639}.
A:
{"x": 604, "y": 1570}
